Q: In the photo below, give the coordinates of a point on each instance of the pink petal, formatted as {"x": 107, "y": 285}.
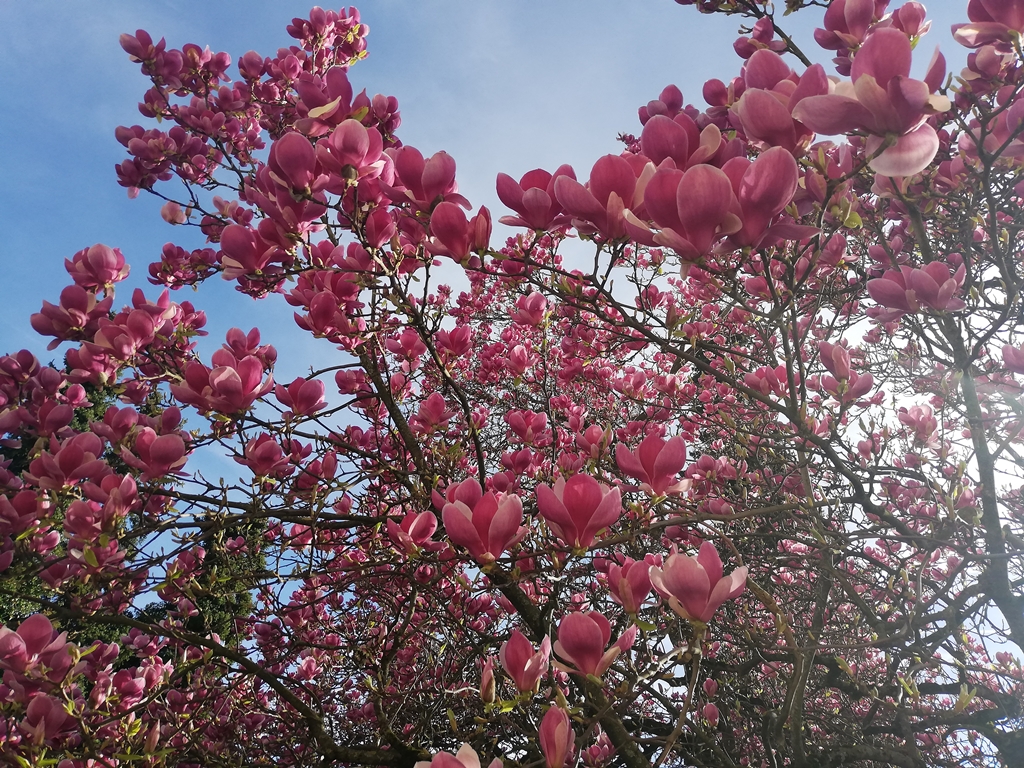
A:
{"x": 909, "y": 155}
{"x": 832, "y": 115}
{"x": 885, "y": 54}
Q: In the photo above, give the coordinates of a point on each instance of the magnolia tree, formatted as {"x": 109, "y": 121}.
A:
{"x": 717, "y": 462}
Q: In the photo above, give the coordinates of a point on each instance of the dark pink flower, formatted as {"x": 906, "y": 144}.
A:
{"x": 413, "y": 532}
{"x": 932, "y": 286}
{"x": 599, "y": 206}
{"x": 460, "y": 237}
{"x": 630, "y": 583}
{"x": 533, "y": 198}
{"x": 303, "y": 396}
{"x": 578, "y": 509}
{"x": 97, "y": 267}
{"x": 695, "y": 586}
{"x": 655, "y": 463}
{"x": 583, "y": 642}
{"x": 524, "y": 664}
{"x": 992, "y": 21}
{"x": 486, "y": 524}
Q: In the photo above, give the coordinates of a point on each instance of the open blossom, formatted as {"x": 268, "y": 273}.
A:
{"x": 525, "y": 665}
{"x": 695, "y": 586}
{"x": 484, "y": 523}
{"x": 932, "y": 286}
{"x": 583, "y": 642}
{"x": 578, "y": 509}
{"x": 599, "y": 206}
{"x": 883, "y": 101}
{"x": 656, "y": 464}
{"x": 533, "y": 198}
{"x": 413, "y": 532}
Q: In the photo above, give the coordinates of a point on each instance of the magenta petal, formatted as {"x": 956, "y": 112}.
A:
{"x": 889, "y": 294}
{"x": 769, "y": 184}
{"x": 505, "y": 524}
{"x": 509, "y": 192}
{"x": 764, "y": 118}
{"x": 703, "y": 200}
{"x": 660, "y": 198}
{"x": 581, "y": 641}
{"x": 885, "y": 54}
{"x": 832, "y": 115}
{"x": 612, "y": 173}
{"x": 909, "y": 155}
{"x": 709, "y": 559}
{"x": 663, "y": 137}
{"x": 630, "y": 464}
{"x": 765, "y": 69}
{"x": 577, "y": 201}
{"x": 37, "y": 632}
{"x": 671, "y": 459}
{"x": 438, "y": 175}
{"x": 458, "y": 524}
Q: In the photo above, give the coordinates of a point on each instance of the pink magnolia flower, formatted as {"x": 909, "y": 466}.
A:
{"x": 458, "y": 236}
{"x": 992, "y": 21}
{"x": 353, "y": 152}
{"x": 908, "y": 290}
{"x": 530, "y": 309}
{"x": 423, "y": 183}
{"x": 533, "y": 198}
{"x": 656, "y": 464}
{"x": 773, "y": 90}
{"x": 695, "y": 586}
{"x": 483, "y": 523}
{"x": 848, "y": 385}
{"x": 97, "y": 267}
{"x": 155, "y": 455}
{"x": 303, "y": 396}
{"x": 583, "y": 642}
{"x": 711, "y": 714}
{"x": 525, "y": 665}
{"x": 599, "y": 206}
{"x": 921, "y": 420}
{"x": 230, "y": 387}
{"x": 556, "y": 737}
{"x": 466, "y": 757}
{"x": 35, "y": 643}
{"x": 694, "y": 209}
{"x": 630, "y": 583}
{"x": 884, "y": 102}
{"x": 413, "y": 532}
{"x": 45, "y": 719}
{"x": 579, "y": 508}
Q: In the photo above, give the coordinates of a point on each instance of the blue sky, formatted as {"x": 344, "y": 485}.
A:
{"x": 502, "y": 86}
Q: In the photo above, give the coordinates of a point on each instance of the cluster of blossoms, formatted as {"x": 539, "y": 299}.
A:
{"x": 759, "y": 503}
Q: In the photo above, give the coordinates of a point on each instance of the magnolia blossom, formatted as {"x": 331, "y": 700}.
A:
{"x": 579, "y": 508}
{"x": 695, "y": 586}
{"x": 656, "y": 463}
{"x": 525, "y": 665}
{"x": 583, "y": 642}
{"x": 484, "y": 523}
{"x": 556, "y": 737}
